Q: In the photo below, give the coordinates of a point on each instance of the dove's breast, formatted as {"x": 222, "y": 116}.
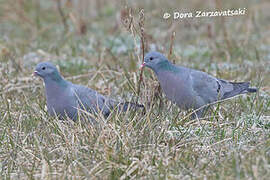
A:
{"x": 177, "y": 88}
{"x": 61, "y": 103}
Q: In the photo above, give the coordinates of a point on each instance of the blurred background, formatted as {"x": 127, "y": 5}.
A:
{"x": 88, "y": 31}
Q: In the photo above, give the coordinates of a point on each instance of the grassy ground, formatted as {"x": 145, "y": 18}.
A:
{"x": 97, "y": 44}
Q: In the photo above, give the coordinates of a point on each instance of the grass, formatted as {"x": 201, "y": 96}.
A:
{"x": 97, "y": 49}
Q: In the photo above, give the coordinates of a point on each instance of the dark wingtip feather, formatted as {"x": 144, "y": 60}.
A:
{"x": 124, "y": 106}
{"x": 239, "y": 88}
{"x": 252, "y": 90}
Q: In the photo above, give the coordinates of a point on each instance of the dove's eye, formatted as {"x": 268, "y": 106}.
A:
{"x": 43, "y": 68}
{"x": 151, "y": 58}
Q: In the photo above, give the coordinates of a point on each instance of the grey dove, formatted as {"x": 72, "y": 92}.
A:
{"x": 65, "y": 99}
{"x": 190, "y": 88}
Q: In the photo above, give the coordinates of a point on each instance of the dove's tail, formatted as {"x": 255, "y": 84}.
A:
{"x": 239, "y": 88}
{"x": 123, "y": 107}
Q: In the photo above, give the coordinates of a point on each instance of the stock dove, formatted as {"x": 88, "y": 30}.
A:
{"x": 66, "y": 99}
{"x": 190, "y": 88}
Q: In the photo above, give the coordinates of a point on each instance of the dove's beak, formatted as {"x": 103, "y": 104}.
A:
{"x": 142, "y": 66}
{"x": 35, "y": 73}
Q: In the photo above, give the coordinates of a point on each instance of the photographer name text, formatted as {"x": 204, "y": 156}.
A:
{"x": 201, "y": 14}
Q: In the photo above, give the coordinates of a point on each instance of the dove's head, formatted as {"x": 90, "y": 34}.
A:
{"x": 47, "y": 70}
{"x": 154, "y": 60}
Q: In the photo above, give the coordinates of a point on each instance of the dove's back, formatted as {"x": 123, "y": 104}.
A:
{"x": 190, "y": 88}
{"x": 90, "y": 100}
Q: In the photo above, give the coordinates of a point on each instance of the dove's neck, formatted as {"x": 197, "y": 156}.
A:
{"x": 55, "y": 85}
{"x": 165, "y": 66}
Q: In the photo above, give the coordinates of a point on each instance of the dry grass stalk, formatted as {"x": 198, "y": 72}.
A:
{"x": 62, "y": 15}
{"x": 141, "y": 25}
{"x": 171, "y": 46}
{"x": 225, "y": 33}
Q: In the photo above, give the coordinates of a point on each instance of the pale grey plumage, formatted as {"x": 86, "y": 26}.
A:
{"x": 189, "y": 88}
{"x": 65, "y": 98}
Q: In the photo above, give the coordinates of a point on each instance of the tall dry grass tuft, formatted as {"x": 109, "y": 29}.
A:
{"x": 136, "y": 28}
{"x": 142, "y": 37}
